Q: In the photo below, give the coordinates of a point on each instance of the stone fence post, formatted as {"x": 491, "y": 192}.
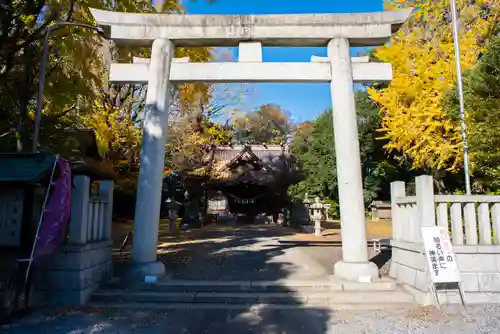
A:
{"x": 398, "y": 190}
{"x": 106, "y": 191}
{"x": 424, "y": 188}
{"x": 79, "y": 210}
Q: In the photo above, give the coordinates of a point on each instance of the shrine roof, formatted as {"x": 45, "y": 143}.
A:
{"x": 263, "y": 161}
{"x": 226, "y": 154}
{"x": 249, "y": 163}
{"x": 79, "y": 148}
{"x": 25, "y": 167}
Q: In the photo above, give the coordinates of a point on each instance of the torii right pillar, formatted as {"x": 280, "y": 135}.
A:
{"x": 354, "y": 265}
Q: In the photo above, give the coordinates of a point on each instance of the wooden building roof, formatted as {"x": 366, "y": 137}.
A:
{"x": 246, "y": 163}
{"x": 225, "y": 154}
{"x": 252, "y": 163}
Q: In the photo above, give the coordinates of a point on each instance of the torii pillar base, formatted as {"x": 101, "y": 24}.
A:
{"x": 356, "y": 271}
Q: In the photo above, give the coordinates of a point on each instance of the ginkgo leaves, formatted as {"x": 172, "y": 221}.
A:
{"x": 422, "y": 55}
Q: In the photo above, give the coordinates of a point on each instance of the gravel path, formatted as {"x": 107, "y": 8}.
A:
{"x": 480, "y": 319}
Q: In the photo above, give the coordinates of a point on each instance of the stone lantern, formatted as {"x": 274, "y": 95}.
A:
{"x": 307, "y": 202}
{"x": 327, "y": 207}
{"x": 317, "y": 209}
{"x": 172, "y": 207}
{"x": 281, "y": 219}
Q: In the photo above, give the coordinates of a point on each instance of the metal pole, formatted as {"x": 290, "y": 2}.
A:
{"x": 41, "y": 85}
{"x": 460, "y": 95}
{"x": 43, "y": 69}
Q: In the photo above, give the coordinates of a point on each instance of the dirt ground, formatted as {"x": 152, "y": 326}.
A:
{"x": 166, "y": 238}
{"x": 381, "y": 229}
{"x": 178, "y": 249}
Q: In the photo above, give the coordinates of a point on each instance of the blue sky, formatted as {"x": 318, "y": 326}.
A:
{"x": 303, "y": 101}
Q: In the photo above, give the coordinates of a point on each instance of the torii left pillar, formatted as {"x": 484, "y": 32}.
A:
{"x": 149, "y": 189}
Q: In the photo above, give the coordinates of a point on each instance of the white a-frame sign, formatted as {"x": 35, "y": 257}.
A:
{"x": 443, "y": 269}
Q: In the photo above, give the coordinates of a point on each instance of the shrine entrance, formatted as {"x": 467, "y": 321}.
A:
{"x": 337, "y": 32}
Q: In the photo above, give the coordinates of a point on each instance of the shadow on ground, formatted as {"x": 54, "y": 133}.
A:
{"x": 196, "y": 321}
{"x": 382, "y": 258}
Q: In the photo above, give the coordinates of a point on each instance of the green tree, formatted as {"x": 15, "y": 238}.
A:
{"x": 313, "y": 148}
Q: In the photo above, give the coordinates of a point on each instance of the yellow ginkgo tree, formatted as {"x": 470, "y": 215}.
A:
{"x": 422, "y": 57}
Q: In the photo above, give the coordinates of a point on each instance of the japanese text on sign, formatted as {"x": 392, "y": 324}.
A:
{"x": 439, "y": 254}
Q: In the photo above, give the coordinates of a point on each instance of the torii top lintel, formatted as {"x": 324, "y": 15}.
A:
{"x": 362, "y": 29}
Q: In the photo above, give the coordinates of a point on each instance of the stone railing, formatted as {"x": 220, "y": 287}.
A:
{"x": 474, "y": 226}
{"x": 97, "y": 225}
{"x": 405, "y": 226}
{"x": 83, "y": 261}
{"x": 91, "y": 214}
{"x": 470, "y": 219}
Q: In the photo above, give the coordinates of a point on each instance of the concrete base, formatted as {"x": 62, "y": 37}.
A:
{"x": 356, "y": 271}
{"x": 317, "y": 228}
{"x": 138, "y": 272}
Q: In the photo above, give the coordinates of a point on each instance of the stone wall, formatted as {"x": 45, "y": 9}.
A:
{"x": 408, "y": 264}
{"x": 84, "y": 260}
{"x": 479, "y": 268}
{"x": 73, "y": 273}
{"x": 477, "y": 253}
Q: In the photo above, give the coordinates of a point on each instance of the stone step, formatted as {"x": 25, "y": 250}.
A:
{"x": 331, "y": 294}
{"x": 220, "y": 306}
{"x": 258, "y": 286}
{"x": 253, "y": 298}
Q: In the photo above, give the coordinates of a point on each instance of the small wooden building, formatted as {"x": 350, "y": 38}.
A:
{"x": 23, "y": 177}
{"x": 23, "y": 183}
{"x": 380, "y": 210}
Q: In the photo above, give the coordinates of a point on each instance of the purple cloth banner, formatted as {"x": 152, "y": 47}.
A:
{"x": 56, "y": 214}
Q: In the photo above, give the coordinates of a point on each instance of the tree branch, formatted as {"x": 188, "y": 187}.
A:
{"x": 60, "y": 114}
{"x": 71, "y": 10}
{"x": 7, "y": 133}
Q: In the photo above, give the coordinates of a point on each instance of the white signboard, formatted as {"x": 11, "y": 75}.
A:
{"x": 215, "y": 206}
{"x": 440, "y": 257}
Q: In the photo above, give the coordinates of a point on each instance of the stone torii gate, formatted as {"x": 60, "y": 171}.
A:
{"x": 338, "y": 32}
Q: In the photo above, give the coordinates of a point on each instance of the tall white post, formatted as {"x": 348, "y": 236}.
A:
{"x": 147, "y": 210}
{"x": 354, "y": 265}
